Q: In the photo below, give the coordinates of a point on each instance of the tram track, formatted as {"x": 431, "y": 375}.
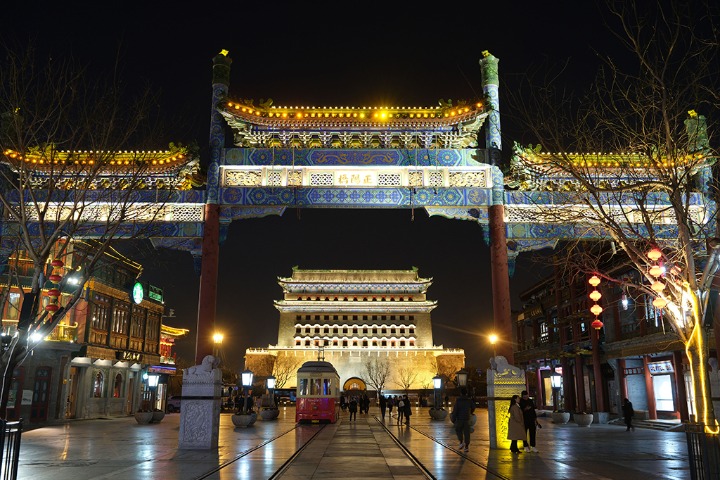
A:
{"x": 260, "y": 446}
{"x": 418, "y": 462}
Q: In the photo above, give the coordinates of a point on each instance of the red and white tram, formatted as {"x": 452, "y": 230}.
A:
{"x": 318, "y": 393}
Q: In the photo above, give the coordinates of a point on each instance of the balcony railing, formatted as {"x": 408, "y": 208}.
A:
{"x": 63, "y": 333}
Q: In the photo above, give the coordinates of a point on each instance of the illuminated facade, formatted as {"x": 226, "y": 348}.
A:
{"x": 357, "y": 318}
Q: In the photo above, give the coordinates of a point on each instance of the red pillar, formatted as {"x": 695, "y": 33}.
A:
{"x": 650, "y": 389}
{"x": 208, "y": 283}
{"x": 580, "y": 384}
{"x": 682, "y": 399}
{"x": 500, "y": 282}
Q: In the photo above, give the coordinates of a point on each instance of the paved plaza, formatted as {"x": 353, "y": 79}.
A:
{"x": 119, "y": 448}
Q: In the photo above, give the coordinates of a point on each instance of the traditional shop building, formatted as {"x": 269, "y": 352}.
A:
{"x": 95, "y": 362}
{"x": 356, "y": 318}
{"x": 635, "y": 354}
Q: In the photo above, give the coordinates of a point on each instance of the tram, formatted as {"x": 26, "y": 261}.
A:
{"x": 318, "y": 393}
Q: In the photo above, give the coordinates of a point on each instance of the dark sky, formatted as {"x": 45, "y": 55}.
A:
{"x": 322, "y": 54}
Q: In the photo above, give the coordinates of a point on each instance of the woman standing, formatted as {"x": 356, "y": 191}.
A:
{"x": 516, "y": 424}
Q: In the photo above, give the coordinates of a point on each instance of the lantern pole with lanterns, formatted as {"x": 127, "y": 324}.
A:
{"x": 596, "y": 309}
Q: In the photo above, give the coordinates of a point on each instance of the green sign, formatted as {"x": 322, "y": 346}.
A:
{"x": 138, "y": 293}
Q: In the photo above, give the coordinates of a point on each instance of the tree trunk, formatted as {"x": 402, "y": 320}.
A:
{"x": 697, "y": 354}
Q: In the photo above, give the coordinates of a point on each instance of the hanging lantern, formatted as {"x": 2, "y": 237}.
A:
{"x": 597, "y": 324}
{"x": 656, "y": 271}
{"x": 52, "y": 307}
{"x": 53, "y": 292}
{"x": 595, "y": 295}
{"x": 594, "y": 281}
{"x": 57, "y": 263}
{"x": 596, "y": 309}
{"x": 54, "y": 278}
{"x": 654, "y": 254}
{"x": 659, "y": 303}
{"x": 658, "y": 286}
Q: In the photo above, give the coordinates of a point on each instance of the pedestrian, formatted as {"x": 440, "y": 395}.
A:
{"x": 527, "y": 405}
{"x": 401, "y": 409}
{"x": 383, "y": 405}
{"x": 366, "y": 403}
{"x": 352, "y": 408}
{"x": 628, "y": 413}
{"x": 408, "y": 410}
{"x": 460, "y": 416}
{"x": 516, "y": 424}
{"x": 390, "y": 406}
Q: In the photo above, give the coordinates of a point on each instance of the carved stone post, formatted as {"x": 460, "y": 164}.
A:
{"x": 503, "y": 381}
{"x": 200, "y": 407}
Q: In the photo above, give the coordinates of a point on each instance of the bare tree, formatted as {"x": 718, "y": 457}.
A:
{"x": 285, "y": 368}
{"x": 70, "y": 169}
{"x": 405, "y": 377}
{"x": 377, "y": 371}
{"x": 655, "y": 189}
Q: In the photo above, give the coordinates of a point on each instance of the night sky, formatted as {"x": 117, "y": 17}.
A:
{"x": 321, "y": 54}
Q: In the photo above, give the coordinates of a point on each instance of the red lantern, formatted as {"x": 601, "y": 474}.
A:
{"x": 52, "y": 307}
{"x": 54, "y": 278}
{"x": 53, "y": 292}
{"x": 57, "y": 263}
{"x": 597, "y": 324}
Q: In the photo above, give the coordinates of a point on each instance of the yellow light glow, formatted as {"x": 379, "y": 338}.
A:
{"x": 595, "y": 295}
{"x": 596, "y": 309}
{"x": 594, "y": 281}
{"x": 492, "y": 338}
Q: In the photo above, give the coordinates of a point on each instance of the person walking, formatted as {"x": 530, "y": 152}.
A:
{"x": 390, "y": 405}
{"x": 352, "y": 408}
{"x": 401, "y": 409}
{"x": 460, "y": 416}
{"x": 527, "y": 405}
{"x": 516, "y": 424}
{"x": 408, "y": 410}
{"x": 383, "y": 405}
{"x": 628, "y": 413}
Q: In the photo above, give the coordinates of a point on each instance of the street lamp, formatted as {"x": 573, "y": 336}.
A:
{"x": 152, "y": 381}
{"x": 462, "y": 378}
{"x": 217, "y": 341}
{"x": 437, "y": 385}
{"x": 556, "y": 382}
{"x": 493, "y": 340}
{"x": 271, "y": 388}
{"x": 246, "y": 378}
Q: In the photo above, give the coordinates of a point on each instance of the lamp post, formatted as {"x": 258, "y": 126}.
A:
{"x": 556, "y": 382}
{"x": 271, "y": 388}
{"x": 493, "y": 338}
{"x": 217, "y": 343}
{"x": 246, "y": 378}
{"x": 437, "y": 385}
{"x": 153, "y": 380}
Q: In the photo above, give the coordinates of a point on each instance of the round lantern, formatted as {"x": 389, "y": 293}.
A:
{"x": 594, "y": 281}
{"x": 659, "y": 302}
{"x": 656, "y": 271}
{"x": 597, "y": 324}
{"x": 658, "y": 286}
{"x": 596, "y": 310}
{"x": 53, "y": 292}
{"x": 57, "y": 263}
{"x": 54, "y": 278}
{"x": 654, "y": 254}
{"x": 52, "y": 307}
{"x": 595, "y": 295}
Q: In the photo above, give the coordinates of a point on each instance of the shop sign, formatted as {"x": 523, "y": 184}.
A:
{"x": 658, "y": 368}
{"x": 131, "y": 356}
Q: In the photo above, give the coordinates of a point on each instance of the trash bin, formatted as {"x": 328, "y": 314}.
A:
{"x": 703, "y": 452}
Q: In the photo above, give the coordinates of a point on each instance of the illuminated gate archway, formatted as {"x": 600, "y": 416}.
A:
{"x": 354, "y": 384}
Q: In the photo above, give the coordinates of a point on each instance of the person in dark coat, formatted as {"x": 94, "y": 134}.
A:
{"x": 408, "y": 410}
{"x": 460, "y": 416}
{"x": 352, "y": 408}
{"x": 527, "y": 405}
{"x": 383, "y": 405}
{"x": 628, "y": 413}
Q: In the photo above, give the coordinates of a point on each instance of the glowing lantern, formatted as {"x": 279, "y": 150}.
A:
{"x": 594, "y": 281}
{"x": 597, "y": 324}
{"x": 596, "y": 309}
{"x": 595, "y": 295}
{"x": 53, "y": 292}
{"x": 659, "y": 302}
{"x": 654, "y": 254}
{"x": 656, "y": 271}
{"x": 57, "y": 263}
{"x": 54, "y": 278}
{"x": 658, "y": 286}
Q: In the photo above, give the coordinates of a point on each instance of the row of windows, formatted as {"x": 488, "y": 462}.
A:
{"x": 346, "y": 330}
{"x": 383, "y": 318}
{"x": 326, "y": 342}
{"x": 356, "y": 299}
